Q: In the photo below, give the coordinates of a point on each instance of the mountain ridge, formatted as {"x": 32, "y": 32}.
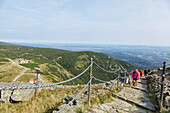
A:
{"x": 58, "y": 65}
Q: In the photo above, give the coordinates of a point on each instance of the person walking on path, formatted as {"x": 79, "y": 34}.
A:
{"x": 135, "y": 77}
{"x": 141, "y": 73}
{"x": 138, "y": 73}
{"x": 145, "y": 73}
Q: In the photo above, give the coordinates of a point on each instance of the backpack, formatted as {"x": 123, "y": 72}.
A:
{"x": 135, "y": 75}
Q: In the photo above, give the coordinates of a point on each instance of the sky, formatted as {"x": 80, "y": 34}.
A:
{"x": 127, "y": 22}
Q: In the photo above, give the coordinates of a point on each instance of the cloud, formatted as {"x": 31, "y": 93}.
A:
{"x": 27, "y": 10}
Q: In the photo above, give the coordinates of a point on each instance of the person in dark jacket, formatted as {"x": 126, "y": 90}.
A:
{"x": 145, "y": 73}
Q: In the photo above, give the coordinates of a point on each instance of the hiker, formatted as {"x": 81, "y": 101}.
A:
{"x": 138, "y": 73}
{"x": 135, "y": 77}
{"x": 141, "y": 73}
{"x": 149, "y": 71}
{"x": 145, "y": 73}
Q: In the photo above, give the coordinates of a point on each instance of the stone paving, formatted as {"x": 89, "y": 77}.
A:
{"x": 135, "y": 100}
{"x": 120, "y": 106}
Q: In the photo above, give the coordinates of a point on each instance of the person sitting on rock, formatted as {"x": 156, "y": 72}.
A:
{"x": 135, "y": 77}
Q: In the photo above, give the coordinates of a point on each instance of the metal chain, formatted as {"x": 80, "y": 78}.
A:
{"x": 75, "y": 96}
{"x": 107, "y": 70}
{"x": 103, "y": 80}
{"x": 46, "y": 85}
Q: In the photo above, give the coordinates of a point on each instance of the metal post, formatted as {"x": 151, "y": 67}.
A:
{"x": 162, "y": 86}
{"x": 90, "y": 76}
{"x": 118, "y": 80}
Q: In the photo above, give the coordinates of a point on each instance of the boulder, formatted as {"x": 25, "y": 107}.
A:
{"x": 18, "y": 94}
{"x": 22, "y": 94}
{"x": 67, "y": 99}
{"x": 5, "y": 94}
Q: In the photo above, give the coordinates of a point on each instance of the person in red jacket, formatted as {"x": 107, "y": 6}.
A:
{"x": 135, "y": 77}
{"x": 141, "y": 73}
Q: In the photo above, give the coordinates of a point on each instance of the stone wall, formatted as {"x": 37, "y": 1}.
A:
{"x": 156, "y": 81}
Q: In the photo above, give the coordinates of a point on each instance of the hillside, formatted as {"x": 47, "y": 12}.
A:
{"x": 58, "y": 65}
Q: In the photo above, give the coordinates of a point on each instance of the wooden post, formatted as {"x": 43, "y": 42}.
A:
{"x": 90, "y": 76}
{"x": 162, "y": 86}
{"x": 118, "y": 80}
{"x": 36, "y": 91}
{"x": 125, "y": 77}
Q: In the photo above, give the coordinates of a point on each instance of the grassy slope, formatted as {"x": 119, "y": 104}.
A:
{"x": 57, "y": 65}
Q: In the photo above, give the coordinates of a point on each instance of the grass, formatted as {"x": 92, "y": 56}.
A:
{"x": 164, "y": 110}
{"x": 26, "y": 78}
{"x": 2, "y": 63}
{"x": 46, "y": 102}
{"x": 3, "y": 60}
{"x": 9, "y": 71}
{"x": 100, "y": 98}
{"x": 80, "y": 110}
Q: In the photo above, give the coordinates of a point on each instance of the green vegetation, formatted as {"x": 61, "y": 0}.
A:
{"x": 58, "y": 65}
{"x": 2, "y": 63}
{"x": 3, "y": 60}
{"x": 30, "y": 65}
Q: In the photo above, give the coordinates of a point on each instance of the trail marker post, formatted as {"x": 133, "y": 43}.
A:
{"x": 90, "y": 83}
{"x": 36, "y": 90}
{"x": 162, "y": 86}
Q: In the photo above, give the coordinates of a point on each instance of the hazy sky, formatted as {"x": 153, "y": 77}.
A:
{"x": 130, "y": 22}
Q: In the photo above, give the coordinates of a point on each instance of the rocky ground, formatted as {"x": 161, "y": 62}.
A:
{"x": 128, "y": 100}
{"x": 136, "y": 101}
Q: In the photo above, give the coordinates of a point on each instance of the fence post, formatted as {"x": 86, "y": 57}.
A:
{"x": 125, "y": 77}
{"x": 118, "y": 80}
{"x": 162, "y": 86}
{"x": 90, "y": 76}
{"x": 36, "y": 90}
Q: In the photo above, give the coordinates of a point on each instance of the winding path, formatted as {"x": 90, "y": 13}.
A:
{"x": 22, "y": 73}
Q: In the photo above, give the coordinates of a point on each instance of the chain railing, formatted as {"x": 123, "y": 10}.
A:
{"x": 76, "y": 96}
{"x": 117, "y": 71}
{"x": 46, "y": 85}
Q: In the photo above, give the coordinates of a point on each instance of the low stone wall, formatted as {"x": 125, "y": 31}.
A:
{"x": 156, "y": 81}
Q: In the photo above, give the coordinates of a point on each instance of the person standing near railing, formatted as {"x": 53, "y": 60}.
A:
{"x": 135, "y": 77}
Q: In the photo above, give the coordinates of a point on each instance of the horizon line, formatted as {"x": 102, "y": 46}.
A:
{"x": 62, "y": 42}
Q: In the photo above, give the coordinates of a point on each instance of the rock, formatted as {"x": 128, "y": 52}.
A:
{"x": 5, "y": 94}
{"x": 167, "y": 101}
{"x": 16, "y": 95}
{"x": 67, "y": 99}
{"x": 105, "y": 107}
{"x": 97, "y": 111}
{"x": 100, "y": 91}
{"x": 22, "y": 94}
{"x": 86, "y": 92}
